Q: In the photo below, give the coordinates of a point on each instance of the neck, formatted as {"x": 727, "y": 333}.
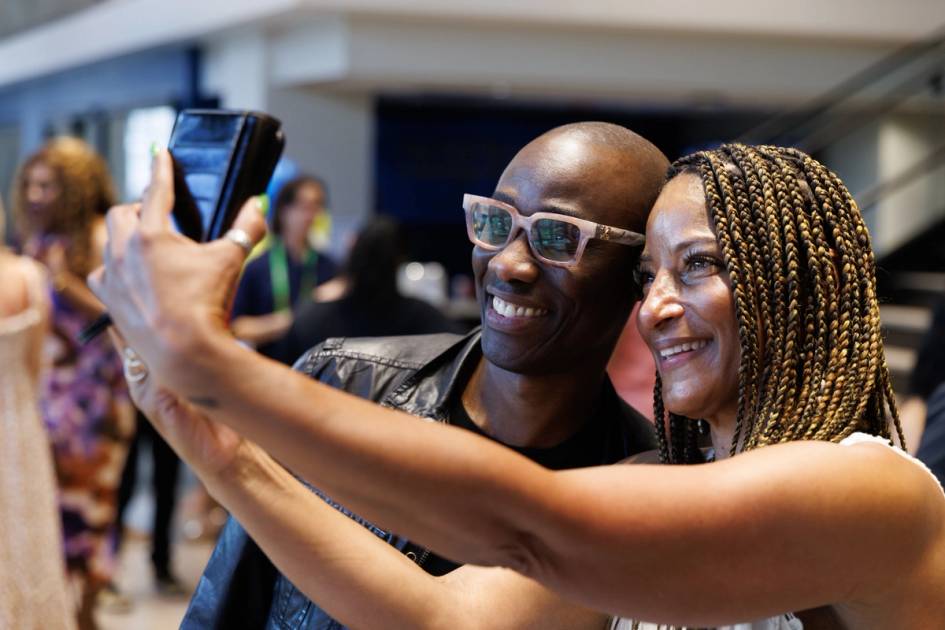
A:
{"x": 295, "y": 247}
{"x": 722, "y": 430}
{"x": 528, "y": 410}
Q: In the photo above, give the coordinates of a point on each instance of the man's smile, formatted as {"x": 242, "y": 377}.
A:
{"x": 508, "y": 308}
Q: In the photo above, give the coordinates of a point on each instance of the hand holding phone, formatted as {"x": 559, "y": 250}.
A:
{"x": 221, "y": 158}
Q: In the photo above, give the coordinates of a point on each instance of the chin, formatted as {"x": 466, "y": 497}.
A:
{"x": 516, "y": 363}
{"x": 520, "y": 362}
{"x": 684, "y": 405}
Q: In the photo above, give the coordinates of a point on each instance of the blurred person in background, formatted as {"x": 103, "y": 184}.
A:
{"x": 60, "y": 197}
{"x": 288, "y": 271}
{"x": 33, "y": 590}
{"x": 923, "y": 411}
{"x": 371, "y": 305}
{"x": 165, "y": 471}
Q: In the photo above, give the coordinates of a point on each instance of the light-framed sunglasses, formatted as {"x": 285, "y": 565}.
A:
{"x": 556, "y": 239}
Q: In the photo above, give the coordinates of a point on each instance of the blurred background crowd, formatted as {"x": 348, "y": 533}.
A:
{"x": 393, "y": 110}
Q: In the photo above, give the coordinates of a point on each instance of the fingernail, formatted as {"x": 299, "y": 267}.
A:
{"x": 262, "y": 202}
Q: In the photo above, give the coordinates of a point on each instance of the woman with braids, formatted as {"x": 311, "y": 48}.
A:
{"x": 61, "y": 195}
{"x": 760, "y": 309}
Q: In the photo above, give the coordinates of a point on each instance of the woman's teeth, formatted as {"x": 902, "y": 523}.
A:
{"x": 506, "y": 309}
{"x": 683, "y": 347}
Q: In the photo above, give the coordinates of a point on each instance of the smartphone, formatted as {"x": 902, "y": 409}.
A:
{"x": 221, "y": 159}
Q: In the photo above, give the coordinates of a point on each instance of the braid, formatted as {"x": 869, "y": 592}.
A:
{"x": 659, "y": 417}
{"x": 802, "y": 272}
{"x": 712, "y": 170}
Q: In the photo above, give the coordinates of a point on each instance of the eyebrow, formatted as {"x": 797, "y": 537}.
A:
{"x": 505, "y": 198}
{"x": 699, "y": 240}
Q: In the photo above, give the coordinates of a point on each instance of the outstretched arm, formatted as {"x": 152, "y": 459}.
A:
{"x": 820, "y": 522}
{"x": 364, "y": 582}
{"x": 356, "y": 577}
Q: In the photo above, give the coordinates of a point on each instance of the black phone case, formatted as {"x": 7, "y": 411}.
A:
{"x": 221, "y": 159}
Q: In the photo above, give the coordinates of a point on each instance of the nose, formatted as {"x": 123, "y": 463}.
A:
{"x": 34, "y": 193}
{"x": 661, "y": 304}
{"x": 515, "y": 262}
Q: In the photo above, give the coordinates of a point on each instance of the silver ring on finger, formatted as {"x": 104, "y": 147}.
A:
{"x": 134, "y": 368}
{"x": 241, "y": 238}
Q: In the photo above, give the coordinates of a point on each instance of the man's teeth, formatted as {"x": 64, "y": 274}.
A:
{"x": 683, "y": 347}
{"x": 510, "y": 310}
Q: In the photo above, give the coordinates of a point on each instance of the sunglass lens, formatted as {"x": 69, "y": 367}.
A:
{"x": 491, "y": 224}
{"x": 555, "y": 240}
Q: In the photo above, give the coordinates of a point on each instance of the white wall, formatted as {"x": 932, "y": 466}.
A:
{"x": 902, "y": 142}
{"x": 236, "y": 67}
{"x": 118, "y": 27}
{"x": 630, "y": 67}
{"x": 332, "y": 136}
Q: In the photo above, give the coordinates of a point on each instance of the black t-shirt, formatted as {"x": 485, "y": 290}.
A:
{"x": 585, "y": 448}
{"x": 588, "y": 447}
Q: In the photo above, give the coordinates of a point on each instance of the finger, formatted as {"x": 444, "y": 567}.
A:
{"x": 158, "y": 199}
{"x": 121, "y": 221}
{"x": 157, "y": 404}
{"x": 251, "y": 222}
{"x": 137, "y": 389}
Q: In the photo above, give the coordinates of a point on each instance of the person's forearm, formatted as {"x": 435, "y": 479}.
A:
{"x": 468, "y": 498}
{"x": 335, "y": 561}
{"x": 74, "y": 290}
{"x": 261, "y": 329}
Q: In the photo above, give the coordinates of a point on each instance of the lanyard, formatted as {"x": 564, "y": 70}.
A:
{"x": 279, "y": 274}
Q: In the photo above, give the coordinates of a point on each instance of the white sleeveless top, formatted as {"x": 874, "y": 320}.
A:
{"x": 787, "y": 621}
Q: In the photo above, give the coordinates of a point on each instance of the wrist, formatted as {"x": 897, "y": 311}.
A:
{"x": 194, "y": 356}
{"x": 248, "y": 468}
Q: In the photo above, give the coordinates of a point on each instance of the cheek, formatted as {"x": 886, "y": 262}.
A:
{"x": 480, "y": 265}
{"x": 730, "y": 351}
{"x": 480, "y": 261}
{"x": 604, "y": 276}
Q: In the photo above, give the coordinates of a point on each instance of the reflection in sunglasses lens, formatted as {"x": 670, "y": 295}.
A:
{"x": 555, "y": 240}
{"x": 491, "y": 224}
